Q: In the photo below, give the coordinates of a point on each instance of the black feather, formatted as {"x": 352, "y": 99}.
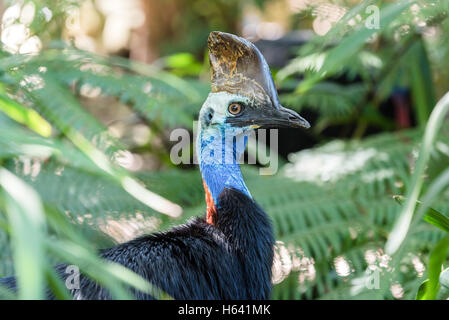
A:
{"x": 229, "y": 260}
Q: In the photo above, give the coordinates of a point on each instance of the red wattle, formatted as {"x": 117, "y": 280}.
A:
{"x": 211, "y": 209}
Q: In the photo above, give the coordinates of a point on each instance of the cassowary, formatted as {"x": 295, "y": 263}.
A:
{"x": 227, "y": 254}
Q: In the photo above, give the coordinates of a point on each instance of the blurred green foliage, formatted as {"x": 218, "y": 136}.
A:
{"x": 334, "y": 229}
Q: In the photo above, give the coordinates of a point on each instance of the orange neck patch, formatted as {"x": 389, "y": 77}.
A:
{"x": 211, "y": 210}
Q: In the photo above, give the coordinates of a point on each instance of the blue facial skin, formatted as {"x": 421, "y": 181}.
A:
{"x": 219, "y": 151}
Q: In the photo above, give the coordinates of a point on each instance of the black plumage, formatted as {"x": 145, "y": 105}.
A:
{"x": 229, "y": 260}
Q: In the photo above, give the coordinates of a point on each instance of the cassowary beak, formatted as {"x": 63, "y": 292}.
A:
{"x": 282, "y": 118}
{"x": 238, "y": 67}
{"x": 268, "y": 118}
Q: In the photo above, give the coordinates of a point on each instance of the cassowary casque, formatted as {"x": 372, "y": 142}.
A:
{"x": 228, "y": 253}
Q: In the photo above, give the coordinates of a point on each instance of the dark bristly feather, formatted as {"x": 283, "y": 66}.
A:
{"x": 229, "y": 260}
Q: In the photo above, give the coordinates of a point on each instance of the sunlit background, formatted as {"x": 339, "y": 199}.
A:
{"x": 331, "y": 201}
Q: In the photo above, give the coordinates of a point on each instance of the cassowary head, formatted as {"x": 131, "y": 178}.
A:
{"x": 243, "y": 98}
{"x": 243, "y": 94}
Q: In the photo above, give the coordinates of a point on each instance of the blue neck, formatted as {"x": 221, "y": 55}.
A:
{"x": 218, "y": 156}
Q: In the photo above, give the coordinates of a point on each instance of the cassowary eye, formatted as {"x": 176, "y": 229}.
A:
{"x": 235, "y": 108}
